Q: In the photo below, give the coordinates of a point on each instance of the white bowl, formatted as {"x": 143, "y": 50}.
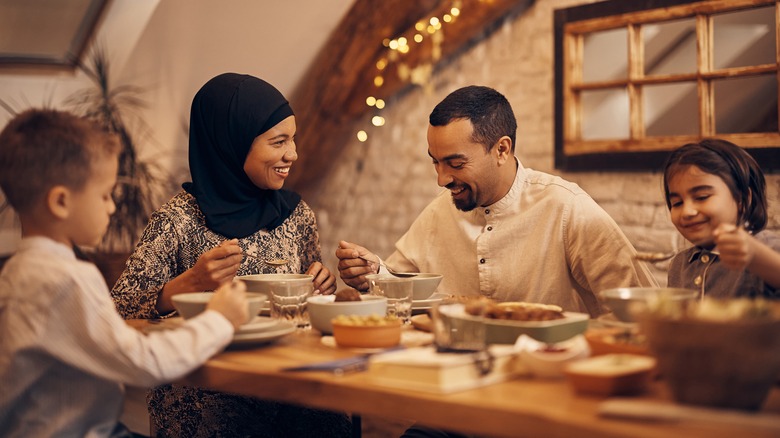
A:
{"x": 549, "y": 360}
{"x": 323, "y": 308}
{"x": 424, "y": 285}
{"x": 192, "y": 303}
{"x": 261, "y": 282}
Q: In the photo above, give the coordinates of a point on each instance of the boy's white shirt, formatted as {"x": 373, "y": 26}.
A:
{"x": 65, "y": 352}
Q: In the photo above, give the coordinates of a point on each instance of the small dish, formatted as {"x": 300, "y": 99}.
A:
{"x": 323, "y": 308}
{"x": 257, "y": 324}
{"x": 367, "y": 335}
{"x": 280, "y": 330}
{"x": 191, "y": 304}
{"x": 424, "y": 285}
{"x": 611, "y": 374}
{"x": 548, "y": 360}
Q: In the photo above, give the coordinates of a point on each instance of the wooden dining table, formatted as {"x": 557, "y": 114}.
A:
{"x": 522, "y": 406}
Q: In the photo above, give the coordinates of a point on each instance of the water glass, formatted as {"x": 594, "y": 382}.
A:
{"x": 288, "y": 301}
{"x": 398, "y": 292}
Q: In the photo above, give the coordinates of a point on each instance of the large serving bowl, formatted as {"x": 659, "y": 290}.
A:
{"x": 624, "y": 302}
{"x": 424, "y": 285}
{"x": 726, "y": 364}
{"x": 192, "y": 303}
{"x": 262, "y": 282}
{"x": 324, "y": 308}
{"x": 498, "y": 331}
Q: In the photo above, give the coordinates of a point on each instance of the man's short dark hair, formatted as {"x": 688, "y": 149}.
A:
{"x": 487, "y": 109}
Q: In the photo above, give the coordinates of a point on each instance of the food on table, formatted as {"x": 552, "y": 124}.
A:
{"x": 366, "y": 320}
{"x": 348, "y": 294}
{"x": 514, "y": 311}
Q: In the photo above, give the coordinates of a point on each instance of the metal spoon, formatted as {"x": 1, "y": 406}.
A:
{"x": 390, "y": 270}
{"x": 654, "y": 257}
{"x": 270, "y": 262}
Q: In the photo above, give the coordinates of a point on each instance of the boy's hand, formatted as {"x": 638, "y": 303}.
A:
{"x": 734, "y": 246}
{"x": 217, "y": 266}
{"x": 230, "y": 300}
{"x": 324, "y": 281}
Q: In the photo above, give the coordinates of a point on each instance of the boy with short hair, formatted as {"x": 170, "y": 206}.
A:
{"x": 65, "y": 353}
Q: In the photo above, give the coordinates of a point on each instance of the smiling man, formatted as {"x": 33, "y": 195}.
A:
{"x": 501, "y": 230}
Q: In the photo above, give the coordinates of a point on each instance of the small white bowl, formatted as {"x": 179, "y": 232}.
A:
{"x": 323, "y": 308}
{"x": 262, "y": 282}
{"x": 424, "y": 285}
{"x": 550, "y": 360}
{"x": 192, "y": 303}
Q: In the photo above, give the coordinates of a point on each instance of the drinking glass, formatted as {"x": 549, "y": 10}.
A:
{"x": 398, "y": 292}
{"x": 288, "y": 301}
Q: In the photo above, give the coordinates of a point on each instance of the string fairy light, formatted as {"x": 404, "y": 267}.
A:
{"x": 429, "y": 28}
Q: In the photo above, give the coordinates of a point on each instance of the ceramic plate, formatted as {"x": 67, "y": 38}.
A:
{"x": 428, "y": 303}
{"x": 258, "y": 324}
{"x": 280, "y": 330}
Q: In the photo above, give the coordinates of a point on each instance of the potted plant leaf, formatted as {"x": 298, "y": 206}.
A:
{"x": 140, "y": 183}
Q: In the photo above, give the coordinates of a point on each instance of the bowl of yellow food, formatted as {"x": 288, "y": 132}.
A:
{"x": 372, "y": 331}
{"x": 324, "y": 308}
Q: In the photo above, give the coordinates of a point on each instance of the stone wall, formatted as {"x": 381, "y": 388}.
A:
{"x": 379, "y": 187}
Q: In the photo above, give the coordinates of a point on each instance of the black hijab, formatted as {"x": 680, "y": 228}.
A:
{"x": 227, "y": 113}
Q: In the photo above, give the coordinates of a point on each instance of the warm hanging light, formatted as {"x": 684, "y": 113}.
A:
{"x": 420, "y": 74}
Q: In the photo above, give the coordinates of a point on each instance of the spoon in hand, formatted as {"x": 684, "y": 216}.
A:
{"x": 391, "y": 271}
{"x": 271, "y": 262}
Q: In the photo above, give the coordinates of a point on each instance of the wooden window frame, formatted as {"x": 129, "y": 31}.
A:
{"x": 638, "y": 152}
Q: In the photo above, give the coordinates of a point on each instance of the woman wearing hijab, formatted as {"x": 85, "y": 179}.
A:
{"x": 242, "y": 146}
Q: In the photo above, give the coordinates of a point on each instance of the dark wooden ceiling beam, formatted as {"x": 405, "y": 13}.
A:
{"x": 333, "y": 91}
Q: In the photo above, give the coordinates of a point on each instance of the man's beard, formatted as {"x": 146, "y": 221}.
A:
{"x": 465, "y": 204}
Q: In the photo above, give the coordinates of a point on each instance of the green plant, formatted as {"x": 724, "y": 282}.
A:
{"x": 140, "y": 184}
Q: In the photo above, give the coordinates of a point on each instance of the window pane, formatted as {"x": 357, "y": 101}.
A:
{"x": 605, "y": 55}
{"x": 671, "y": 109}
{"x": 746, "y": 104}
{"x": 670, "y": 47}
{"x": 605, "y": 114}
{"x": 744, "y": 38}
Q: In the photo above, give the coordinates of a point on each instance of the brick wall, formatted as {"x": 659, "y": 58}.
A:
{"x": 378, "y": 188}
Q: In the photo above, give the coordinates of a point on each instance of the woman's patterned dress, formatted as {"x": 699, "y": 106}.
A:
{"x": 172, "y": 242}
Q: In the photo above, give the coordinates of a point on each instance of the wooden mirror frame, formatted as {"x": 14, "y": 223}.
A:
{"x": 638, "y": 152}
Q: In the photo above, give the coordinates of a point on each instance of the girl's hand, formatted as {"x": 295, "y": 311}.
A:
{"x": 324, "y": 281}
{"x": 734, "y": 245}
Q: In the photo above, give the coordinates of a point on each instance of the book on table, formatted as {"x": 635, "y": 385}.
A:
{"x": 425, "y": 369}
